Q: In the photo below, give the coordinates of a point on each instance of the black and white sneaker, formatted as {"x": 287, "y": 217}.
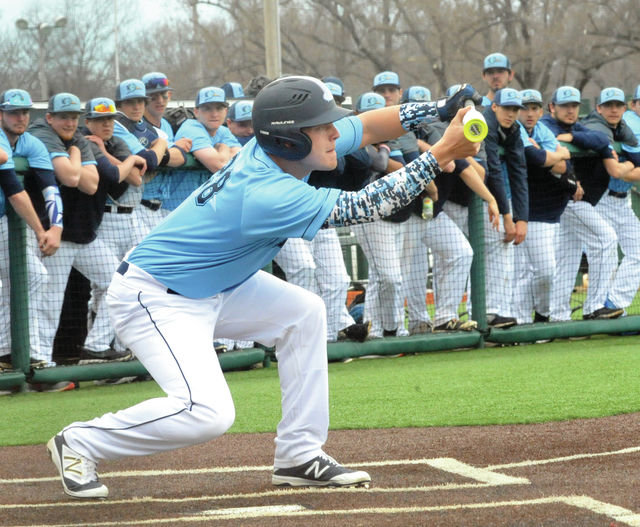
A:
{"x": 321, "y": 471}
{"x": 88, "y": 356}
{"x": 78, "y": 474}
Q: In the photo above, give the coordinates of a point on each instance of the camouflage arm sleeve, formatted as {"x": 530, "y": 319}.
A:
{"x": 414, "y": 113}
{"x": 386, "y": 195}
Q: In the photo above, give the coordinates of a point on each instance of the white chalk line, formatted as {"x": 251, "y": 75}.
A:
{"x": 619, "y": 514}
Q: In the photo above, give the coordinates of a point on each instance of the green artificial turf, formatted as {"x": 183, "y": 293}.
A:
{"x": 519, "y": 384}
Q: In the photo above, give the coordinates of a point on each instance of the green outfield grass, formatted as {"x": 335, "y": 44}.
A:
{"x": 519, "y": 384}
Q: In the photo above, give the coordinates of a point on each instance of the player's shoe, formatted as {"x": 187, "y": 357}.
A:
{"x": 420, "y": 327}
{"x": 62, "y": 386}
{"x": 456, "y": 325}
{"x": 604, "y": 313}
{"x": 357, "y": 332}
{"x": 321, "y": 471}
{"x": 78, "y": 474}
{"x": 500, "y": 322}
{"x": 88, "y": 356}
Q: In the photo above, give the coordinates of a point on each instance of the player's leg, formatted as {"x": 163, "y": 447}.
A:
{"x": 333, "y": 281}
{"x": 276, "y": 313}
{"x": 541, "y": 256}
{"x": 198, "y": 405}
{"x": 38, "y": 279}
{"x": 415, "y": 271}
{"x": 296, "y": 260}
{"x": 98, "y": 264}
{"x": 621, "y": 217}
{"x": 5, "y": 296}
{"x": 372, "y": 307}
{"x": 452, "y": 261}
{"x": 568, "y": 255}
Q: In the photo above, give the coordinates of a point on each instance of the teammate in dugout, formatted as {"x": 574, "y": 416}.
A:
{"x": 199, "y": 273}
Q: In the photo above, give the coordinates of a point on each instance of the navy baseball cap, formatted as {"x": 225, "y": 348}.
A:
{"x": 155, "y": 82}
{"x": 211, "y": 94}
{"x": 15, "y": 99}
{"x": 240, "y": 111}
{"x": 611, "y": 94}
{"x": 233, "y": 90}
{"x": 336, "y": 87}
{"x": 531, "y": 96}
{"x": 64, "y": 103}
{"x": 416, "y": 94}
{"x": 369, "y": 101}
{"x": 566, "y": 95}
{"x": 131, "y": 89}
{"x": 508, "y": 97}
{"x": 100, "y": 107}
{"x": 385, "y": 78}
{"x": 636, "y": 94}
{"x": 496, "y": 60}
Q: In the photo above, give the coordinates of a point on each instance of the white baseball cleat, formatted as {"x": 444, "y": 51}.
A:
{"x": 78, "y": 474}
{"x": 321, "y": 471}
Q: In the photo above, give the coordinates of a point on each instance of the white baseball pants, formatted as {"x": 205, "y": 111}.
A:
{"x": 172, "y": 336}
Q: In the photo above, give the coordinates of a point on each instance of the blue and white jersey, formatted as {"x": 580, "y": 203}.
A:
{"x": 199, "y": 135}
{"x": 633, "y": 121}
{"x": 183, "y": 182}
{"x": 134, "y": 145}
{"x": 33, "y": 150}
{"x": 541, "y": 135}
{"x": 234, "y": 224}
{"x": 6, "y": 146}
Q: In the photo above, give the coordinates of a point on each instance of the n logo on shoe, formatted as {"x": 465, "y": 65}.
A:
{"x": 317, "y": 471}
{"x": 71, "y": 467}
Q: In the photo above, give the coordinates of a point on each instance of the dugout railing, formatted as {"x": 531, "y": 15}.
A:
{"x": 526, "y": 333}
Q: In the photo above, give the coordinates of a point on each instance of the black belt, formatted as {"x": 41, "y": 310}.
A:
{"x": 118, "y": 209}
{"x": 124, "y": 267}
{"x": 153, "y": 205}
{"x": 618, "y": 194}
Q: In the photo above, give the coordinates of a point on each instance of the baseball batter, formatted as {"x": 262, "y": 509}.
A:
{"x": 199, "y": 273}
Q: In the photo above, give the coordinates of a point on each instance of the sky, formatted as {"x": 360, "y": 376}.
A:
{"x": 153, "y": 10}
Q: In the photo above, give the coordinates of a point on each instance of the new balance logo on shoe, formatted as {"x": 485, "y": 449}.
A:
{"x": 78, "y": 473}
{"x": 317, "y": 471}
{"x": 321, "y": 471}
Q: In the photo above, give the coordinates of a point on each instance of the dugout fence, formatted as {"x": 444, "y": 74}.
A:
{"x": 17, "y": 321}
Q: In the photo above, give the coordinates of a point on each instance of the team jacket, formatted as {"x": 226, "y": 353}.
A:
{"x": 515, "y": 164}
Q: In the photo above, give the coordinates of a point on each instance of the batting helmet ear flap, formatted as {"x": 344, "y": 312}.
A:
{"x": 293, "y": 146}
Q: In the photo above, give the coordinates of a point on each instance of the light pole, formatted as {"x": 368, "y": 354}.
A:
{"x": 43, "y": 31}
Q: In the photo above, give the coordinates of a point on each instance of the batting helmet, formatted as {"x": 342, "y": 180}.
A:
{"x": 284, "y": 107}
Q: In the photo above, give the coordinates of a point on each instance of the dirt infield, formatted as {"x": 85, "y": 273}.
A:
{"x": 574, "y": 473}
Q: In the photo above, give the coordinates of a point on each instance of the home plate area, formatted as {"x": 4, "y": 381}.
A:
{"x": 574, "y": 473}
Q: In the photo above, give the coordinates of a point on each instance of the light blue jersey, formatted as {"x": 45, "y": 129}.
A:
{"x": 541, "y": 134}
{"x": 134, "y": 145}
{"x": 633, "y": 121}
{"x": 234, "y": 224}
{"x": 33, "y": 150}
{"x": 183, "y": 182}
{"x": 6, "y": 146}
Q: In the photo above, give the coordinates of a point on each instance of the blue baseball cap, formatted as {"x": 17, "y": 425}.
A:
{"x": 386, "y": 78}
{"x": 100, "y": 107}
{"x": 131, "y": 89}
{"x": 508, "y": 97}
{"x": 611, "y": 94}
{"x": 64, "y": 103}
{"x": 155, "y": 82}
{"x": 369, "y": 101}
{"x": 416, "y": 94}
{"x": 496, "y": 60}
{"x": 531, "y": 96}
{"x": 336, "y": 87}
{"x": 240, "y": 111}
{"x": 452, "y": 89}
{"x": 15, "y": 99}
{"x": 233, "y": 90}
{"x": 566, "y": 95}
{"x": 211, "y": 94}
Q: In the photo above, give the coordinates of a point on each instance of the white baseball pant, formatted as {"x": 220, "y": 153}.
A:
{"x": 582, "y": 229}
{"x": 172, "y": 336}
{"x": 96, "y": 262}
{"x": 37, "y": 280}
{"x": 535, "y": 265}
{"x": 318, "y": 266}
{"x": 620, "y": 215}
{"x": 498, "y": 268}
{"x": 415, "y": 270}
{"x": 382, "y": 244}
